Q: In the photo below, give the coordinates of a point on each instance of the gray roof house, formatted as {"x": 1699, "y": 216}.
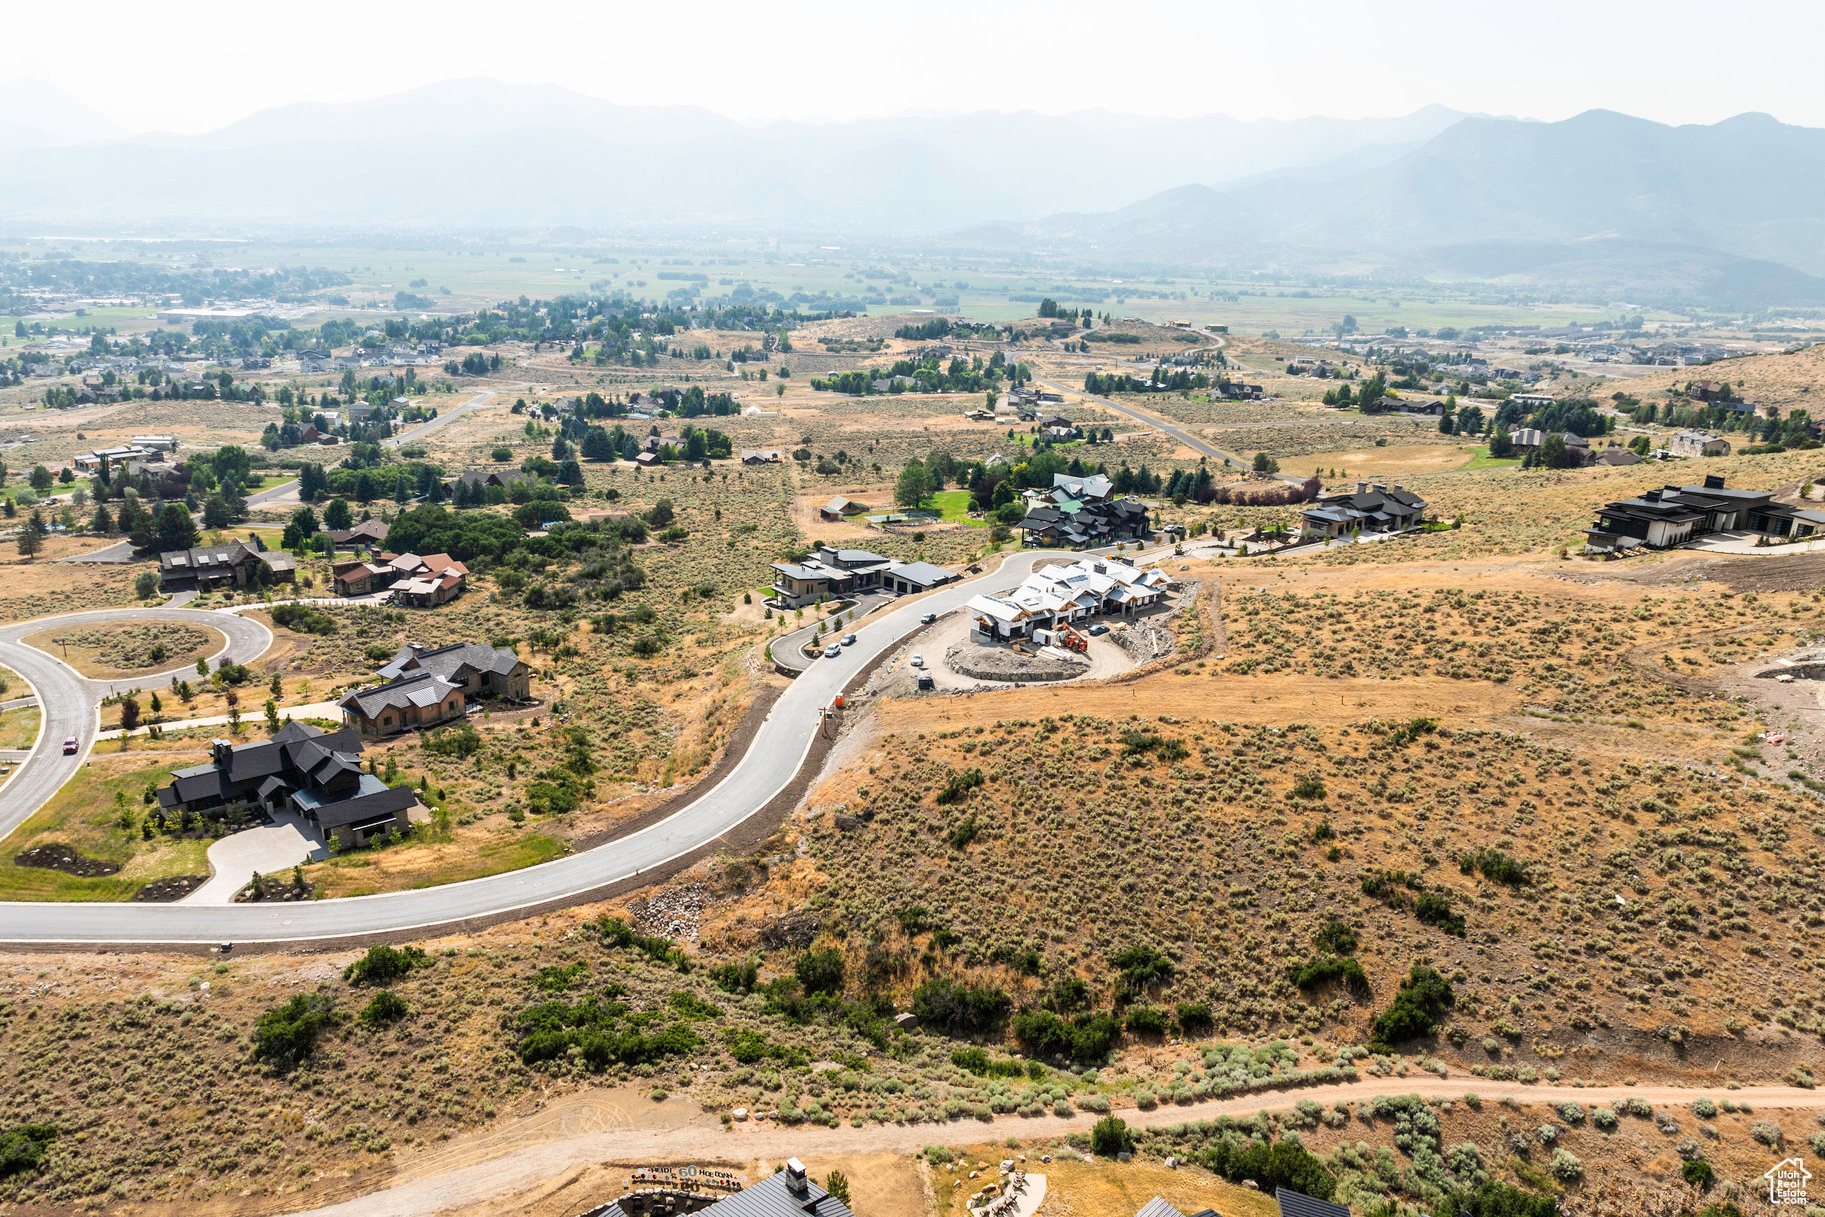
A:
{"x": 418, "y": 700}
{"x": 477, "y": 669}
{"x": 1368, "y": 508}
{"x": 313, "y": 773}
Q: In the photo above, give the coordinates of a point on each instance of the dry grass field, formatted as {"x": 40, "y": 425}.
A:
{"x": 119, "y": 650}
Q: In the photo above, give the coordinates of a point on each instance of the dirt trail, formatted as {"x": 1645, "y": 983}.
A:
{"x": 501, "y": 1162}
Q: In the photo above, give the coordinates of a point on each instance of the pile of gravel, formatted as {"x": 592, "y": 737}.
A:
{"x": 1003, "y": 664}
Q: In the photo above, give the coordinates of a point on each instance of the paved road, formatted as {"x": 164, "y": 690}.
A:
{"x": 771, "y": 761}
{"x": 786, "y": 650}
{"x": 1195, "y": 442}
{"x": 70, "y": 702}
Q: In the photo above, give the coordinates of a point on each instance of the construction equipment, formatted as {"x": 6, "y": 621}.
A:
{"x": 1068, "y": 637}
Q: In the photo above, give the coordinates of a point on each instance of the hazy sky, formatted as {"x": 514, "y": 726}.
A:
{"x": 196, "y": 65}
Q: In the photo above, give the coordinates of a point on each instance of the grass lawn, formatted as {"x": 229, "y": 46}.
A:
{"x": 1480, "y": 459}
{"x": 471, "y": 855}
{"x": 19, "y": 728}
{"x": 86, "y": 815}
{"x": 953, "y": 508}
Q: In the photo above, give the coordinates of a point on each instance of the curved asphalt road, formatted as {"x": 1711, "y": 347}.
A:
{"x": 70, "y": 702}
{"x": 771, "y": 761}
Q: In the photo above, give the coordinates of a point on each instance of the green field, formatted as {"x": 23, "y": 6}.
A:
{"x": 953, "y": 508}
{"x": 1480, "y": 459}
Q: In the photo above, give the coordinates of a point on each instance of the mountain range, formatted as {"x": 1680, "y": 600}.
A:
{"x": 469, "y": 153}
{"x": 1731, "y": 214}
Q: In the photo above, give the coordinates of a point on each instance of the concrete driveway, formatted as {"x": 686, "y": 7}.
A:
{"x": 271, "y": 849}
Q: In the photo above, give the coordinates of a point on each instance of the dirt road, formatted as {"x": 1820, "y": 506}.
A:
{"x": 569, "y": 1136}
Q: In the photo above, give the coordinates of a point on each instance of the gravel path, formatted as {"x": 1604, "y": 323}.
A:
{"x": 475, "y": 1170}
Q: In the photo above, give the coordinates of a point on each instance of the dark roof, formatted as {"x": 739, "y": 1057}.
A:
{"x": 207, "y": 557}
{"x": 297, "y": 753}
{"x": 413, "y": 689}
{"x": 1298, "y": 1204}
{"x": 388, "y": 802}
{"x": 449, "y": 661}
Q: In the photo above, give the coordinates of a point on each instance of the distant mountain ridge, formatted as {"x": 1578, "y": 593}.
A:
{"x": 1599, "y": 189}
{"x": 572, "y": 159}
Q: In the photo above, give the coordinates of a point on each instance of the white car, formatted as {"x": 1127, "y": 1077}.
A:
{"x": 832, "y": 651}
{"x": 917, "y": 661}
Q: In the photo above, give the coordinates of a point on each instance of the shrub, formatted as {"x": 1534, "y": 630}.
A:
{"x": 303, "y": 619}
{"x": 461, "y": 741}
{"x": 963, "y": 833}
{"x": 1146, "y": 1020}
{"x": 383, "y": 963}
{"x": 1495, "y": 865}
{"x": 1767, "y": 1133}
{"x": 1310, "y": 786}
{"x": 1110, "y": 1137}
{"x": 1603, "y": 1118}
{"x": 1336, "y": 937}
{"x": 617, "y": 933}
{"x": 601, "y": 1033}
{"x": 959, "y": 786}
{"x": 1422, "y": 1000}
{"x": 1494, "y": 1199}
{"x": 1571, "y": 1113}
{"x": 286, "y": 1035}
{"x": 736, "y": 977}
{"x": 1088, "y": 1038}
{"x": 1274, "y": 1165}
{"x": 1322, "y": 969}
{"x": 958, "y": 1008}
{"x": 22, "y": 1147}
{"x": 1435, "y": 909}
{"x": 821, "y": 971}
{"x": 1195, "y": 1018}
{"x": 1698, "y": 1173}
{"x": 1566, "y": 1167}
{"x": 385, "y": 1008}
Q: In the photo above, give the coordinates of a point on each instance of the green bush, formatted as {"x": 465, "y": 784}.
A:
{"x": 1698, "y": 1173}
{"x": 1336, "y": 937}
{"x": 303, "y": 619}
{"x": 1495, "y": 1199}
{"x": 22, "y": 1147}
{"x": 959, "y": 786}
{"x": 286, "y": 1035}
{"x": 617, "y": 933}
{"x": 821, "y": 971}
{"x": 1273, "y": 1165}
{"x": 383, "y": 963}
{"x": 958, "y": 1008}
{"x": 1422, "y": 1000}
{"x": 736, "y": 977}
{"x": 386, "y": 1008}
{"x": 601, "y": 1033}
{"x": 1110, "y": 1137}
{"x": 1089, "y": 1037}
{"x": 1195, "y": 1018}
{"x": 1322, "y": 969}
{"x": 1146, "y": 1020}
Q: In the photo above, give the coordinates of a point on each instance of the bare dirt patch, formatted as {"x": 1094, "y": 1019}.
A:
{"x": 69, "y": 861}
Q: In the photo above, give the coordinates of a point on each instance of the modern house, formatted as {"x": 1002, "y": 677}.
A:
{"x": 302, "y": 769}
{"x": 1058, "y": 595}
{"x": 1698, "y": 443}
{"x": 480, "y": 671}
{"x": 1532, "y": 401}
{"x": 236, "y": 564}
{"x": 761, "y": 456}
{"x": 418, "y": 582}
{"x": 832, "y": 573}
{"x": 1082, "y": 512}
{"x": 1368, "y": 508}
{"x": 1615, "y": 454}
{"x": 415, "y": 701}
{"x": 1673, "y": 515}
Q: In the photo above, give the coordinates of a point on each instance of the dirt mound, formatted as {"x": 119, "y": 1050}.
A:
{"x": 61, "y": 857}
{"x": 168, "y": 890}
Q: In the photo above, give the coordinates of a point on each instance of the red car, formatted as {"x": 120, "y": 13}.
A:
{"x": 69, "y": 745}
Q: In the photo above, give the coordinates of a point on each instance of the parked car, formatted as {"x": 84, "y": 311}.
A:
{"x": 69, "y": 745}
{"x": 832, "y": 651}
{"x": 917, "y": 661}
{"x": 928, "y": 619}
{"x": 1098, "y": 630}
{"x": 848, "y": 640}
{"x": 926, "y": 682}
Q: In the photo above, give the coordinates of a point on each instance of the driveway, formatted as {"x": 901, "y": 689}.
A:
{"x": 785, "y": 648}
{"x": 271, "y": 849}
